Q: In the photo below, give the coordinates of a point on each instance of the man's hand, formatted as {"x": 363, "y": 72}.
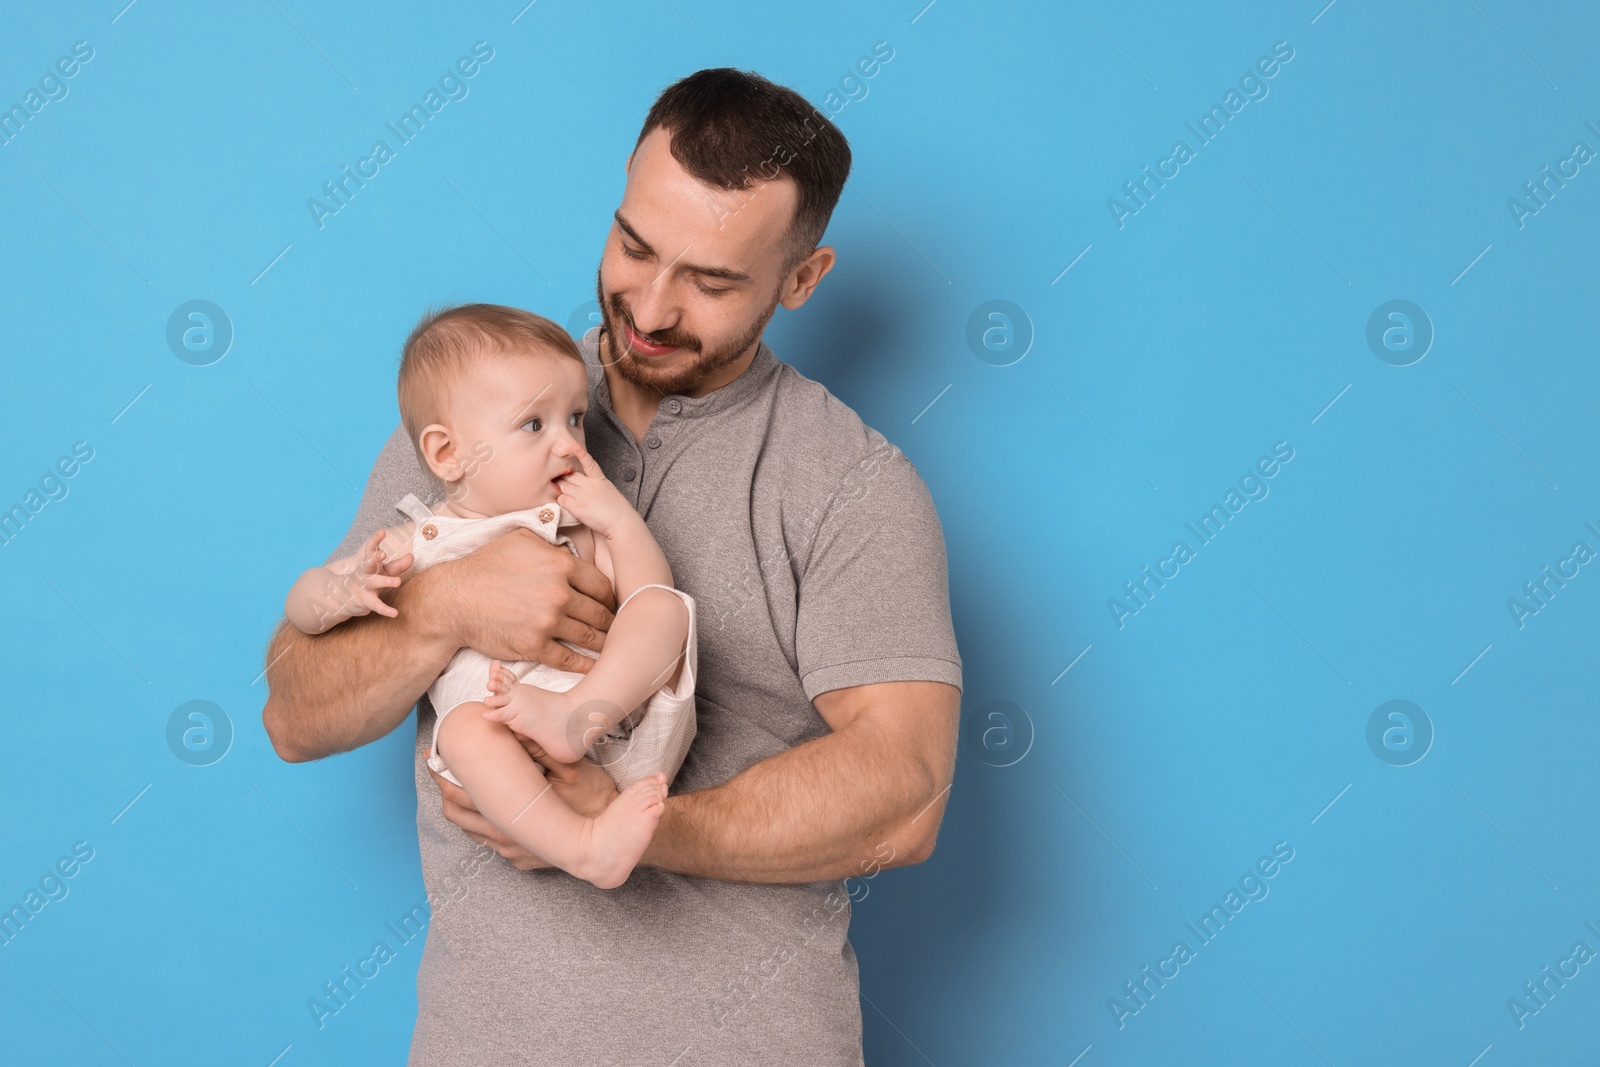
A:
{"x": 584, "y": 785}
{"x": 511, "y": 599}
{"x": 514, "y": 597}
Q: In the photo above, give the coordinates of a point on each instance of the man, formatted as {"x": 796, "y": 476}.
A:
{"x": 828, "y": 672}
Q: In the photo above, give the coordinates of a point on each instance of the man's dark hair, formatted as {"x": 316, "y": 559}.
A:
{"x": 732, "y": 128}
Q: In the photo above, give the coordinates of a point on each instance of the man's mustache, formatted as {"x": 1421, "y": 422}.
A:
{"x": 676, "y": 338}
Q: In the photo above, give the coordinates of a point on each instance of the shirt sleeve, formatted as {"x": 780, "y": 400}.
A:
{"x": 874, "y": 603}
{"x": 396, "y": 472}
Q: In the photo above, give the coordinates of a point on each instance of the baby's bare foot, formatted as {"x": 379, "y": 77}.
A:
{"x": 624, "y": 829}
{"x": 501, "y": 683}
{"x": 537, "y": 713}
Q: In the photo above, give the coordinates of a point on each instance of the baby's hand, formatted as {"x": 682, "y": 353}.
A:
{"x": 356, "y": 590}
{"x": 593, "y": 499}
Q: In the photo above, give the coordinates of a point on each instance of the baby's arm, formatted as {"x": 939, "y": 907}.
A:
{"x": 645, "y": 647}
{"x": 636, "y": 559}
{"x": 325, "y": 596}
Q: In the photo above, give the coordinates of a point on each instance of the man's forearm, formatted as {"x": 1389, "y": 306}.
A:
{"x": 341, "y": 689}
{"x": 823, "y": 809}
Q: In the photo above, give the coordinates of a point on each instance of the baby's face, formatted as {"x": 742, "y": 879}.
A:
{"x": 516, "y": 422}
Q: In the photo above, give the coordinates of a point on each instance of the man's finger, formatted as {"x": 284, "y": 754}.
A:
{"x": 452, "y": 793}
{"x": 592, "y": 592}
{"x": 459, "y": 809}
{"x": 521, "y": 859}
{"x": 580, "y": 633}
{"x": 563, "y": 658}
{"x": 482, "y": 830}
{"x": 474, "y": 823}
{"x": 553, "y": 769}
{"x": 532, "y": 747}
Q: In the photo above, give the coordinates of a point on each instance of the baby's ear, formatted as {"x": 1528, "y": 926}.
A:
{"x": 438, "y": 448}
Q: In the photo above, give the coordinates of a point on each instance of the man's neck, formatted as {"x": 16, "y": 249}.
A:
{"x": 636, "y": 405}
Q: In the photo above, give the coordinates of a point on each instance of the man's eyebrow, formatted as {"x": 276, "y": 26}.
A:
{"x": 710, "y": 272}
{"x": 631, "y": 232}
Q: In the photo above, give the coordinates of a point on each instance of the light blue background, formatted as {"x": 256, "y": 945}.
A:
{"x": 1223, "y": 317}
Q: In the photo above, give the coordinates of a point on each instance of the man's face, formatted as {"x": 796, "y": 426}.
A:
{"x": 691, "y": 273}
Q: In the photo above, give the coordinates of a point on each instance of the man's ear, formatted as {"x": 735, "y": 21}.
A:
{"x": 438, "y": 448}
{"x": 803, "y": 279}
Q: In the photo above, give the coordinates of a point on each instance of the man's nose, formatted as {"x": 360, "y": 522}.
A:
{"x": 653, "y": 308}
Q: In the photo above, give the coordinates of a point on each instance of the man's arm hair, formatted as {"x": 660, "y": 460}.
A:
{"x": 875, "y": 650}
{"x": 341, "y": 689}
{"x": 356, "y": 682}
{"x": 868, "y": 795}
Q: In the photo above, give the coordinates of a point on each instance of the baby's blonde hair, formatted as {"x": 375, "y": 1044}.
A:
{"x": 447, "y": 341}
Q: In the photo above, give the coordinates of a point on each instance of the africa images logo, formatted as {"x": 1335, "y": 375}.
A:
{"x": 1252, "y": 86}
{"x": 338, "y": 192}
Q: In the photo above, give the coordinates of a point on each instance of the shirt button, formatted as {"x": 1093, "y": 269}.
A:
{"x": 674, "y": 405}
{"x": 430, "y": 531}
{"x": 652, "y": 441}
{"x": 627, "y": 475}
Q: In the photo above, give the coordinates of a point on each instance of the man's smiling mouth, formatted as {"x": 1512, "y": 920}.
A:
{"x": 644, "y": 347}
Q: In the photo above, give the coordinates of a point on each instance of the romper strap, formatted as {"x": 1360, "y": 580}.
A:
{"x": 636, "y": 592}
{"x": 414, "y": 509}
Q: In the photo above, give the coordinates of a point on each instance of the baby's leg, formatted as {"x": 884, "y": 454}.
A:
{"x": 644, "y": 651}
{"x": 510, "y": 789}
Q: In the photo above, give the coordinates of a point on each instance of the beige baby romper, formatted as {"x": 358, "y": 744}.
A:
{"x": 653, "y": 737}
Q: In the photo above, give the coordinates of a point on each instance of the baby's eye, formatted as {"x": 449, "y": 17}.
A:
{"x": 577, "y": 418}
{"x": 533, "y": 425}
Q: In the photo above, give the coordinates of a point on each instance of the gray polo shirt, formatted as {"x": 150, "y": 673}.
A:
{"x": 815, "y": 556}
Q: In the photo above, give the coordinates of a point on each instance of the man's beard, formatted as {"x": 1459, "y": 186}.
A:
{"x": 643, "y": 373}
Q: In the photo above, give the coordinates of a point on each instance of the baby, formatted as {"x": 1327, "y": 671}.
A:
{"x": 493, "y": 399}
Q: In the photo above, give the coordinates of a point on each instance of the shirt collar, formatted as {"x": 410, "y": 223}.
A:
{"x": 749, "y": 382}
